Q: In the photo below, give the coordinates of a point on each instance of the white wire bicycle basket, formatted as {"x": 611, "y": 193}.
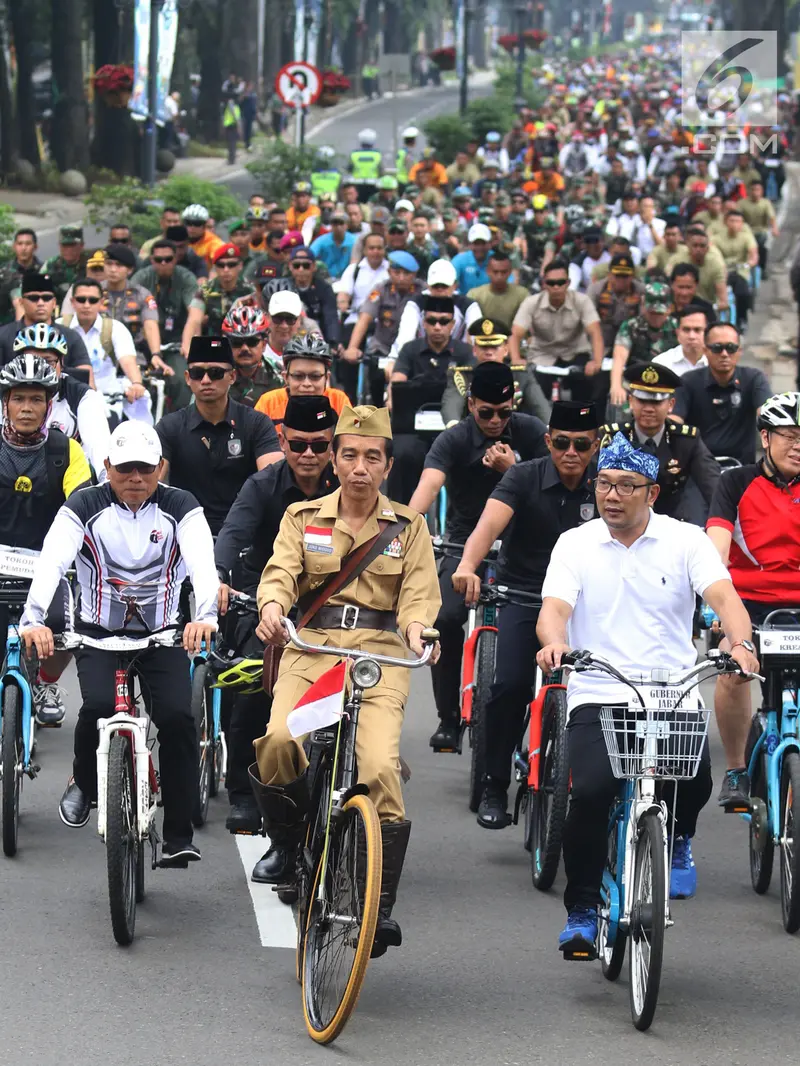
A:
{"x": 654, "y": 742}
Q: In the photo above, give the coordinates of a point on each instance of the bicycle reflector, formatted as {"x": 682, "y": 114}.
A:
{"x": 366, "y": 673}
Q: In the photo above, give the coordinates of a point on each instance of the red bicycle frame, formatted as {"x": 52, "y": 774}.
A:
{"x": 124, "y": 704}
{"x": 468, "y": 671}
{"x": 535, "y": 734}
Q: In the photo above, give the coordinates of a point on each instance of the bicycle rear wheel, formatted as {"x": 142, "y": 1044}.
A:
{"x": 204, "y": 728}
{"x": 341, "y": 926}
{"x": 548, "y": 803}
{"x": 762, "y": 852}
{"x": 11, "y": 762}
{"x": 122, "y": 847}
{"x": 484, "y": 676}
{"x": 790, "y": 851}
{"x": 648, "y": 921}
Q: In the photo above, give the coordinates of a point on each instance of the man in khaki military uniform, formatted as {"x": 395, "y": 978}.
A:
{"x": 398, "y": 593}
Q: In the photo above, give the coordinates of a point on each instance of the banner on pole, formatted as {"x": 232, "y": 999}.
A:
{"x": 461, "y": 58}
{"x": 141, "y": 57}
{"x": 167, "y": 41}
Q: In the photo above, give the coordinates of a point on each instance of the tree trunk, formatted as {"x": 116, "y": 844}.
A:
{"x": 208, "y": 20}
{"x": 395, "y": 28}
{"x": 115, "y": 134}
{"x": 70, "y": 137}
{"x": 241, "y": 44}
{"x": 21, "y": 24}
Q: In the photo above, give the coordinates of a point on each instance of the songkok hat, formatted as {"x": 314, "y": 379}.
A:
{"x": 364, "y": 421}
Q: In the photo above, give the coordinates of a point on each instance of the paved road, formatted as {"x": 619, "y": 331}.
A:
{"x": 340, "y": 131}
{"x": 478, "y": 979}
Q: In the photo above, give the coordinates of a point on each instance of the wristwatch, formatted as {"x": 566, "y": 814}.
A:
{"x": 748, "y": 645}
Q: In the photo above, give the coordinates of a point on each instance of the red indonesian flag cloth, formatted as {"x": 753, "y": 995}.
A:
{"x": 322, "y": 704}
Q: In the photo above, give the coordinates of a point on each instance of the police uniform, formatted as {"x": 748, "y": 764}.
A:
{"x": 614, "y": 308}
{"x": 365, "y": 169}
{"x": 397, "y": 588}
{"x": 679, "y": 447}
{"x": 62, "y": 272}
{"x": 132, "y": 306}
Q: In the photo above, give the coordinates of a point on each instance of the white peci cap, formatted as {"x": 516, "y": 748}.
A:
{"x": 134, "y": 442}
{"x": 442, "y": 272}
{"x": 285, "y": 302}
{"x": 479, "y": 232}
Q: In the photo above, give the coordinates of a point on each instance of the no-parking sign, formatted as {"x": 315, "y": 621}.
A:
{"x": 298, "y": 84}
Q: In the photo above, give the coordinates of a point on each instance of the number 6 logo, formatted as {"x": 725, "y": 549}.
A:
{"x": 717, "y": 72}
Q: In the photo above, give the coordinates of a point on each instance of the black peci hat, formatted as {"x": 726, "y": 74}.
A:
{"x": 307, "y": 414}
{"x": 573, "y": 416}
{"x": 492, "y": 383}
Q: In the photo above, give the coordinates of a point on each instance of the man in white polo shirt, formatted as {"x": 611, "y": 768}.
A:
{"x": 689, "y": 353}
{"x": 623, "y": 586}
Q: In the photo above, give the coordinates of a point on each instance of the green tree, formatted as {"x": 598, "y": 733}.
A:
{"x": 280, "y": 166}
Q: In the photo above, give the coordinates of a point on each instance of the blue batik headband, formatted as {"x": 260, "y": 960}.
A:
{"x": 621, "y": 455}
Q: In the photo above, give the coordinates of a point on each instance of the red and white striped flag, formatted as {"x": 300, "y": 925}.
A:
{"x": 322, "y": 704}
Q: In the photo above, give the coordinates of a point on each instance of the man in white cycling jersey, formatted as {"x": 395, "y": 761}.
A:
{"x": 623, "y": 586}
{"x": 134, "y": 541}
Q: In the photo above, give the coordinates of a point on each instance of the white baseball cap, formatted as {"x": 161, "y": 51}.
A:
{"x": 134, "y": 442}
{"x": 442, "y": 272}
{"x": 479, "y": 232}
{"x": 404, "y": 205}
{"x": 285, "y": 302}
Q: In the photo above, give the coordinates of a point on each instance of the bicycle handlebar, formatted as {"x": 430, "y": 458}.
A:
{"x": 165, "y": 638}
{"x": 503, "y": 593}
{"x": 718, "y": 661}
{"x": 357, "y": 653}
{"x": 243, "y": 602}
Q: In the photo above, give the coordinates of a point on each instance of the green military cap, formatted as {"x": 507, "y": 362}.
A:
{"x": 364, "y": 421}
{"x": 489, "y": 186}
{"x": 427, "y": 212}
{"x": 657, "y": 297}
{"x": 411, "y": 190}
{"x": 485, "y": 214}
{"x": 503, "y": 199}
{"x": 398, "y": 225}
{"x": 449, "y": 215}
{"x": 650, "y": 381}
{"x": 236, "y": 225}
{"x": 70, "y": 234}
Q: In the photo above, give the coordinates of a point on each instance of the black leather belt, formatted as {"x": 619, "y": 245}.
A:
{"x": 353, "y": 618}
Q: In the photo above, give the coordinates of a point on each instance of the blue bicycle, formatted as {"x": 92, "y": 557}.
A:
{"x": 774, "y": 763}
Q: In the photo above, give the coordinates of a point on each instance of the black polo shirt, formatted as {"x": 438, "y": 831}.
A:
{"x": 724, "y": 414}
{"x": 214, "y": 461}
{"x": 255, "y": 517}
{"x": 544, "y": 508}
{"x": 459, "y": 452}
{"x": 77, "y": 355}
{"x": 417, "y": 360}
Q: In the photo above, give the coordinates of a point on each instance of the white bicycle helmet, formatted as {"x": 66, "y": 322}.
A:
{"x": 326, "y": 152}
{"x": 28, "y": 369}
{"x": 410, "y": 133}
{"x": 367, "y": 137}
{"x": 42, "y": 338}
{"x": 195, "y": 214}
{"x": 780, "y": 410}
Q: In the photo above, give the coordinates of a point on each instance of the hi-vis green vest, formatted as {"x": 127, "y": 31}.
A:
{"x": 325, "y": 182}
{"x": 401, "y": 166}
{"x": 365, "y": 165}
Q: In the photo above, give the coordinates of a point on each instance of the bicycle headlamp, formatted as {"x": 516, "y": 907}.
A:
{"x": 366, "y": 673}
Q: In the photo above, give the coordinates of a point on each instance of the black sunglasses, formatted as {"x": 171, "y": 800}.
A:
{"x": 556, "y": 283}
{"x": 86, "y": 299}
{"x": 136, "y": 467}
{"x": 248, "y": 342}
{"x": 163, "y": 258}
{"x": 39, "y": 297}
{"x": 562, "y": 444}
{"x": 227, "y": 264}
{"x": 438, "y": 320}
{"x": 731, "y": 347}
{"x": 121, "y": 240}
{"x": 215, "y": 373}
{"x": 300, "y": 264}
{"x": 284, "y": 319}
{"x": 316, "y": 446}
{"x": 486, "y": 414}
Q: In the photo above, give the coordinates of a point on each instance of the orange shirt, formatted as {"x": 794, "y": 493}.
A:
{"x": 295, "y": 218}
{"x": 208, "y": 244}
{"x": 551, "y": 186}
{"x": 274, "y": 403}
{"x": 438, "y": 174}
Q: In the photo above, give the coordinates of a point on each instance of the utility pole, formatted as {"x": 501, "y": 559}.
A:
{"x": 520, "y": 8}
{"x": 464, "y": 45}
{"x": 150, "y": 127}
{"x": 308, "y": 22}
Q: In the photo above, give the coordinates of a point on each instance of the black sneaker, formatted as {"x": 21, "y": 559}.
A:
{"x": 493, "y": 808}
{"x": 447, "y": 737}
{"x": 735, "y": 792}
{"x": 178, "y": 856}
{"x": 74, "y": 808}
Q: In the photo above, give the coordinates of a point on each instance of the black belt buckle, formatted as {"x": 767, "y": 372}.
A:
{"x": 349, "y": 617}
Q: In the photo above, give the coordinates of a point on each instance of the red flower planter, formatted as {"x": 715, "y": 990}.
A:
{"x": 444, "y": 58}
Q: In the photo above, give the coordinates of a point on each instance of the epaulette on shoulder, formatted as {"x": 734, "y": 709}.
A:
{"x": 683, "y": 429}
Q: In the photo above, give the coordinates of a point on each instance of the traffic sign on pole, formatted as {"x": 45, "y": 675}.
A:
{"x": 298, "y": 84}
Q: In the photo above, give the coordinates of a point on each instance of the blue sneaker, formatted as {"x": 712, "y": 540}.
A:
{"x": 683, "y": 875}
{"x": 577, "y": 940}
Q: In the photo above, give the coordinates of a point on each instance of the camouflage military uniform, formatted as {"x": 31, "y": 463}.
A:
{"x": 250, "y": 390}
{"x": 215, "y": 303}
{"x": 643, "y": 342}
{"x": 63, "y": 274}
{"x": 539, "y": 239}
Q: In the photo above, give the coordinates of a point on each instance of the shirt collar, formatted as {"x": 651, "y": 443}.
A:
{"x": 657, "y": 529}
{"x": 195, "y": 419}
{"x": 383, "y": 509}
{"x": 642, "y": 437}
{"x": 552, "y": 479}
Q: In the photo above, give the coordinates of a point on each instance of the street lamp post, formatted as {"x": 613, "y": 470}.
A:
{"x": 150, "y": 127}
{"x": 308, "y": 22}
{"x": 520, "y": 9}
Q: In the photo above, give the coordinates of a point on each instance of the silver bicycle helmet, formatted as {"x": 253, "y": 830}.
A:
{"x": 780, "y": 410}
{"x": 42, "y": 338}
{"x": 28, "y": 369}
{"x": 196, "y": 214}
{"x": 309, "y": 346}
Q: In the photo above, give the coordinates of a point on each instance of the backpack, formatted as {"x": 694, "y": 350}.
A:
{"x": 56, "y": 453}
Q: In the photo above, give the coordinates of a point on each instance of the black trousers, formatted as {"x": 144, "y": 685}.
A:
{"x": 409, "y": 458}
{"x": 741, "y": 296}
{"x": 164, "y": 677}
{"x": 249, "y": 712}
{"x": 446, "y": 674}
{"x": 594, "y": 788}
{"x": 514, "y": 677}
{"x": 346, "y": 375}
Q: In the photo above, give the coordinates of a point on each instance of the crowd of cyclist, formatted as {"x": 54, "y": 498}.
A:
{"x": 574, "y": 287}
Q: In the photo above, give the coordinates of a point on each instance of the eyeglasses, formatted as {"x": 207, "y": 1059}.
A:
{"x": 562, "y": 443}
{"x": 486, "y": 414}
{"x": 731, "y": 347}
{"x": 39, "y": 297}
{"x": 557, "y": 283}
{"x": 215, "y": 373}
{"x": 300, "y": 264}
{"x": 163, "y": 258}
{"x": 227, "y": 264}
{"x": 316, "y": 446}
{"x": 297, "y": 376}
{"x": 793, "y": 439}
{"x": 284, "y": 319}
{"x": 136, "y": 467}
{"x": 86, "y": 299}
{"x": 624, "y": 488}
{"x": 438, "y": 320}
{"x": 248, "y": 342}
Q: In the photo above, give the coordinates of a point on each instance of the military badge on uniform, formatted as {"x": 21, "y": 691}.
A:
{"x": 736, "y": 399}
{"x": 394, "y": 549}
{"x": 587, "y": 512}
{"x": 234, "y": 448}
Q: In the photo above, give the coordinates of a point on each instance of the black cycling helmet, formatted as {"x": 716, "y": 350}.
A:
{"x": 309, "y": 346}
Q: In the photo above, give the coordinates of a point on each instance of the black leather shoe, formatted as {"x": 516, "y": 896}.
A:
{"x": 243, "y": 818}
{"x": 274, "y": 867}
{"x": 447, "y": 737}
{"x": 74, "y": 808}
{"x": 178, "y": 856}
{"x": 492, "y": 810}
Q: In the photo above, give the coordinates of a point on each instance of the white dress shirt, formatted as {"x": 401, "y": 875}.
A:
{"x": 632, "y": 606}
{"x": 106, "y": 378}
{"x": 358, "y": 281}
{"x": 677, "y": 361}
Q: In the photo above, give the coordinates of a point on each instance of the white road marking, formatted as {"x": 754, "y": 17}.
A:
{"x": 276, "y": 924}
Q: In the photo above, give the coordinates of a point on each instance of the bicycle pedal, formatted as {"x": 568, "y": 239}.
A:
{"x": 736, "y": 808}
{"x": 247, "y": 832}
{"x": 581, "y": 955}
{"x": 171, "y": 864}
{"x": 446, "y": 751}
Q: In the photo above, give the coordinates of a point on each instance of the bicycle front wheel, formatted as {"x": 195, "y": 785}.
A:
{"x": 122, "y": 848}
{"x": 484, "y": 676}
{"x": 648, "y": 921}
{"x": 548, "y": 803}
{"x": 12, "y": 756}
{"x": 762, "y": 851}
{"x": 341, "y": 924}
{"x": 204, "y": 729}
{"x": 790, "y": 852}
